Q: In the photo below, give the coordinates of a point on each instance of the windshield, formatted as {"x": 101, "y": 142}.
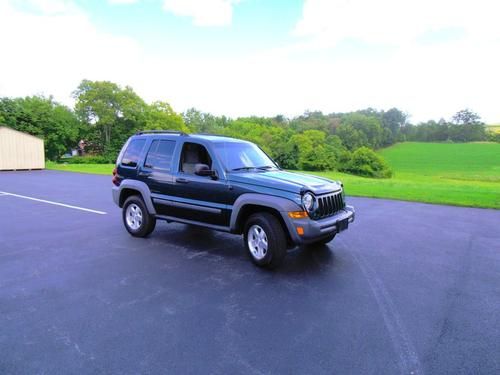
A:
{"x": 242, "y": 156}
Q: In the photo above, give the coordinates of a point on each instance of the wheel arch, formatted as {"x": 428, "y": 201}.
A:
{"x": 134, "y": 187}
{"x": 248, "y": 204}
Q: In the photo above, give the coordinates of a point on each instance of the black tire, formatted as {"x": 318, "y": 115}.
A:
{"x": 275, "y": 235}
{"x": 147, "y": 222}
{"x": 322, "y": 242}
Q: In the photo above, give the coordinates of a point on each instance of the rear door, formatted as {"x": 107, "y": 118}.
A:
{"x": 156, "y": 171}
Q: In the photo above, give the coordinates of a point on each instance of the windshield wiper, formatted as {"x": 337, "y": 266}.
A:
{"x": 242, "y": 168}
{"x": 265, "y": 167}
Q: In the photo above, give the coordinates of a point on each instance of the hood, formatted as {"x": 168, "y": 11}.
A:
{"x": 288, "y": 181}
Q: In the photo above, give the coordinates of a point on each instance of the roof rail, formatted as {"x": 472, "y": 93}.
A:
{"x": 178, "y": 132}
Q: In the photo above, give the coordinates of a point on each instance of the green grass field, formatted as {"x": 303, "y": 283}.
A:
{"x": 462, "y": 174}
{"x": 82, "y": 168}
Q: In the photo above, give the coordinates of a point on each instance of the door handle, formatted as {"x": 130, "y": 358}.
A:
{"x": 144, "y": 174}
{"x": 181, "y": 180}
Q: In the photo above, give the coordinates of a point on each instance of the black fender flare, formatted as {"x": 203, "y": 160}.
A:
{"x": 282, "y": 205}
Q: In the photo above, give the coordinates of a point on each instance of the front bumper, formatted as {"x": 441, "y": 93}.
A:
{"x": 316, "y": 230}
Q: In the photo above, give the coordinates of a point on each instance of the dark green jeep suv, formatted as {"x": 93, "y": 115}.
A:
{"x": 228, "y": 185}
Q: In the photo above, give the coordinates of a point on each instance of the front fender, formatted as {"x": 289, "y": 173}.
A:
{"x": 280, "y": 204}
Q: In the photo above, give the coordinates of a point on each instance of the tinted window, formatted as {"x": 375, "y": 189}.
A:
{"x": 133, "y": 152}
{"x": 160, "y": 155}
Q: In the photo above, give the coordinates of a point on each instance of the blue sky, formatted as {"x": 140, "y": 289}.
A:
{"x": 262, "y": 57}
{"x": 255, "y": 24}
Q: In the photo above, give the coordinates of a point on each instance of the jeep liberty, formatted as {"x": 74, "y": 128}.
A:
{"x": 229, "y": 185}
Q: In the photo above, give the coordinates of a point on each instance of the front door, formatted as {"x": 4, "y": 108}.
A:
{"x": 199, "y": 198}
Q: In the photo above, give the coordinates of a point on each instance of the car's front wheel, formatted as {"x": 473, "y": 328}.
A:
{"x": 265, "y": 240}
{"x": 136, "y": 218}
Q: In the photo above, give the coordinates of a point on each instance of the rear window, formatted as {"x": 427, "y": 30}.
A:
{"x": 133, "y": 152}
{"x": 160, "y": 155}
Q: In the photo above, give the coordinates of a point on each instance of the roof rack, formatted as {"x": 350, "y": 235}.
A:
{"x": 178, "y": 132}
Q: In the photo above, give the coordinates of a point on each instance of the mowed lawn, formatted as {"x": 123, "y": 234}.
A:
{"x": 462, "y": 174}
{"x": 82, "y": 168}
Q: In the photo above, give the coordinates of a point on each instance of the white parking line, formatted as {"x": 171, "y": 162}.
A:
{"x": 54, "y": 203}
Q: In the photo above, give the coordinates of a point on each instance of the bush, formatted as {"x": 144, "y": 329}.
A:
{"x": 493, "y": 137}
{"x": 90, "y": 159}
{"x": 365, "y": 162}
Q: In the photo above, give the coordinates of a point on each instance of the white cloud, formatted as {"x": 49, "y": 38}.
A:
{"x": 427, "y": 79}
{"x": 50, "y": 7}
{"x": 394, "y": 21}
{"x": 53, "y": 46}
{"x": 51, "y": 50}
{"x": 203, "y": 12}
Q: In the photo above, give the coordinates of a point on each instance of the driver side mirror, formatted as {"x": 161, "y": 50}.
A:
{"x": 204, "y": 170}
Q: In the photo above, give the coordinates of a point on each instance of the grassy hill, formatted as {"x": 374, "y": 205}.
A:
{"x": 464, "y": 174}
{"x": 478, "y": 161}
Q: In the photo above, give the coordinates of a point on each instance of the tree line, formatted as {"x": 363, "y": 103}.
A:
{"x": 105, "y": 115}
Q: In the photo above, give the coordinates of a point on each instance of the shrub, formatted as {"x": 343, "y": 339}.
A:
{"x": 365, "y": 162}
{"x": 90, "y": 159}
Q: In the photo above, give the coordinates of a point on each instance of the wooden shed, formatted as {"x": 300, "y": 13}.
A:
{"x": 20, "y": 150}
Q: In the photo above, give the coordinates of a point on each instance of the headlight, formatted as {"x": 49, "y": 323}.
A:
{"x": 308, "y": 201}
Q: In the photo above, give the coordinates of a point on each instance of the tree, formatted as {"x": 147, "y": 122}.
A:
{"x": 466, "y": 116}
{"x": 351, "y": 138}
{"x": 43, "y": 117}
{"x": 201, "y": 122}
{"x": 116, "y": 112}
{"x": 160, "y": 115}
{"x": 314, "y": 153}
{"x": 370, "y": 126}
{"x": 393, "y": 119}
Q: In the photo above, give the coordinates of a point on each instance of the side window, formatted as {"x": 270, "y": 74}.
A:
{"x": 192, "y": 154}
{"x": 133, "y": 152}
{"x": 160, "y": 155}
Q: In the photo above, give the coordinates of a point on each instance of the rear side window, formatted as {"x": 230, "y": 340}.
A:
{"x": 160, "y": 155}
{"x": 133, "y": 152}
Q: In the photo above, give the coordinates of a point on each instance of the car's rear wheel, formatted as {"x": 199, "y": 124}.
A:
{"x": 265, "y": 240}
{"x": 136, "y": 218}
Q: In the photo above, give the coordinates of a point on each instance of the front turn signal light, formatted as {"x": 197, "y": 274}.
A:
{"x": 297, "y": 214}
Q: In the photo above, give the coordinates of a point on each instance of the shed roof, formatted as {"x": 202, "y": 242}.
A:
{"x": 20, "y": 132}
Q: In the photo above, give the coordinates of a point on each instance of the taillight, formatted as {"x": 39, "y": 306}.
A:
{"x": 116, "y": 180}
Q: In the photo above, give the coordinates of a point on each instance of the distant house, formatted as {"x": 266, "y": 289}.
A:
{"x": 20, "y": 150}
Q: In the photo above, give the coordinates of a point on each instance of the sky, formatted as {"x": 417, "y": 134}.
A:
{"x": 429, "y": 58}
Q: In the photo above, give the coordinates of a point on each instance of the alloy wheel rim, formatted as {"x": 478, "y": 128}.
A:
{"x": 257, "y": 242}
{"x": 133, "y": 216}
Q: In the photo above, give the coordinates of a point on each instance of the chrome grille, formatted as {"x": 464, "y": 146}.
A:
{"x": 328, "y": 205}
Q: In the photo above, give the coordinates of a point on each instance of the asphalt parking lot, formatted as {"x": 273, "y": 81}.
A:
{"x": 409, "y": 289}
